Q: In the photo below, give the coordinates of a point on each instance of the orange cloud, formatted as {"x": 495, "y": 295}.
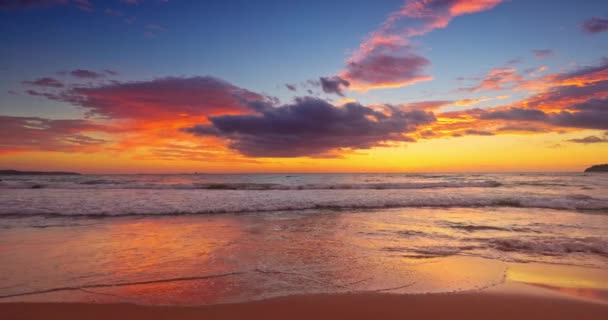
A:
{"x": 498, "y": 79}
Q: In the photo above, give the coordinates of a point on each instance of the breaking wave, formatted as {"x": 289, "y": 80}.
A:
{"x": 552, "y": 245}
{"x": 158, "y": 202}
{"x": 113, "y": 184}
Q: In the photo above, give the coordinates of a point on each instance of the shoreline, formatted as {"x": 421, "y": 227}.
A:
{"x": 476, "y": 305}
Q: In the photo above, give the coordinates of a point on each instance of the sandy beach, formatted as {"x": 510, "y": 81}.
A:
{"x": 103, "y": 257}
{"x": 342, "y": 306}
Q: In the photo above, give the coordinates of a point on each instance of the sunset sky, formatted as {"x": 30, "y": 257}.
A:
{"x": 151, "y": 86}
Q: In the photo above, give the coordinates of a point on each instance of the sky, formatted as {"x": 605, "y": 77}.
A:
{"x": 177, "y": 86}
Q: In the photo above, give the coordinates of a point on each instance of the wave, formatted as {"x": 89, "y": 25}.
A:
{"x": 474, "y": 228}
{"x": 119, "y": 203}
{"x": 545, "y": 246}
{"x": 112, "y": 184}
{"x": 552, "y": 246}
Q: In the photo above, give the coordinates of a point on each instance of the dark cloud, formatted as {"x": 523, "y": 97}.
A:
{"x": 588, "y": 119}
{"x": 333, "y": 85}
{"x": 592, "y": 114}
{"x": 86, "y": 74}
{"x": 595, "y": 25}
{"x": 24, "y": 4}
{"x": 543, "y": 53}
{"x": 474, "y": 132}
{"x": 48, "y": 95}
{"x": 45, "y": 82}
{"x": 591, "y": 105}
{"x": 84, "y": 5}
{"x": 312, "y": 127}
{"x": 427, "y": 134}
{"x": 515, "y": 114}
{"x": 590, "y": 139}
{"x": 514, "y": 61}
{"x": 522, "y": 128}
{"x": 110, "y": 72}
{"x": 291, "y": 87}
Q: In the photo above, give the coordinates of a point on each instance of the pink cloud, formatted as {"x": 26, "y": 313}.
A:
{"x": 543, "y": 53}
{"x": 386, "y": 58}
{"x": 595, "y": 25}
{"x": 23, "y": 134}
{"x": 161, "y": 98}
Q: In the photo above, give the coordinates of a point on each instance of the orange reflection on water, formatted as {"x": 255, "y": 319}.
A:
{"x": 169, "y": 252}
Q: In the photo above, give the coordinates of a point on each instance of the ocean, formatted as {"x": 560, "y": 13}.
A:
{"x": 206, "y": 238}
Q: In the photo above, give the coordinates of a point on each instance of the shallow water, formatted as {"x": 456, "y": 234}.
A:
{"x": 416, "y": 234}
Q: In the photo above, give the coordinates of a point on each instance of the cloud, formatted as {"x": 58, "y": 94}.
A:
{"x": 590, "y": 139}
{"x": 387, "y": 71}
{"x": 558, "y": 97}
{"x": 497, "y": 79}
{"x": 153, "y": 30}
{"x": 25, "y": 4}
{"x": 23, "y": 134}
{"x": 86, "y": 74}
{"x": 84, "y": 5}
{"x": 114, "y": 13}
{"x": 581, "y": 76}
{"x": 333, "y": 85}
{"x": 474, "y": 132}
{"x": 592, "y": 114}
{"x": 155, "y": 27}
{"x": 598, "y": 105}
{"x": 167, "y": 98}
{"x": 427, "y": 105}
{"x": 291, "y": 87}
{"x": 588, "y": 119}
{"x": 386, "y": 58}
{"x": 473, "y": 101}
{"x": 312, "y": 127}
{"x": 522, "y": 128}
{"x": 196, "y": 152}
{"x": 566, "y": 101}
{"x": 147, "y": 115}
{"x": 45, "y": 82}
{"x": 595, "y": 25}
{"x": 508, "y": 78}
{"x": 434, "y": 105}
{"x": 543, "y": 53}
{"x": 515, "y": 114}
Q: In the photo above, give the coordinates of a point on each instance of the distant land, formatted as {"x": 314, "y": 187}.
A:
{"x": 40, "y": 173}
{"x": 598, "y": 168}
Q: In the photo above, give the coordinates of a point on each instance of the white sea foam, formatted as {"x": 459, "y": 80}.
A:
{"x": 158, "y": 202}
{"x": 111, "y": 184}
{"x": 553, "y": 245}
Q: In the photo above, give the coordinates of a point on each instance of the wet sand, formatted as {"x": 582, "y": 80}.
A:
{"x": 339, "y": 306}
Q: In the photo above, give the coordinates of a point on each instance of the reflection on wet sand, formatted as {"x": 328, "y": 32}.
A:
{"x": 588, "y": 283}
{"x": 190, "y": 260}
